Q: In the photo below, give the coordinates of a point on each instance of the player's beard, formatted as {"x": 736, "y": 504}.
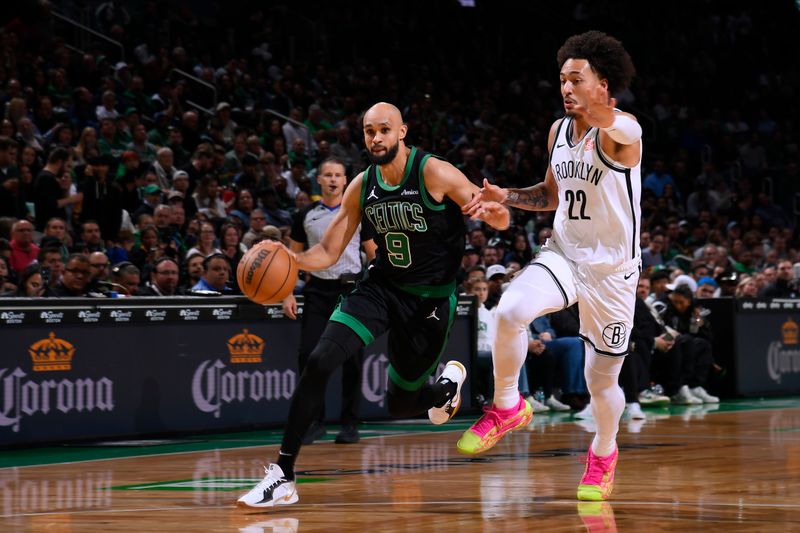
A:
{"x": 386, "y": 158}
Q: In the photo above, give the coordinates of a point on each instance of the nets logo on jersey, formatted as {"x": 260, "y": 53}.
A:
{"x": 615, "y": 334}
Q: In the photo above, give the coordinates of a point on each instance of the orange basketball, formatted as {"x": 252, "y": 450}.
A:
{"x": 266, "y": 276}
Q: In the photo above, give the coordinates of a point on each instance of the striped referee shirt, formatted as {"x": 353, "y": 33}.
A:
{"x": 308, "y": 227}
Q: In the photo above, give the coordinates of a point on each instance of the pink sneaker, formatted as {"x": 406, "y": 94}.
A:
{"x": 598, "y": 479}
{"x": 492, "y": 425}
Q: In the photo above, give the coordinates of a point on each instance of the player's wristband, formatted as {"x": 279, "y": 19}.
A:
{"x": 624, "y": 130}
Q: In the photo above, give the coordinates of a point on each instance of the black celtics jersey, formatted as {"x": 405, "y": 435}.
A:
{"x": 420, "y": 241}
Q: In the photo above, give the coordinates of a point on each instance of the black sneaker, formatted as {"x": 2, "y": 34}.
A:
{"x": 348, "y": 435}
{"x": 315, "y": 431}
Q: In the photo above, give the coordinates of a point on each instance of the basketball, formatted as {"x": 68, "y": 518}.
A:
{"x": 266, "y": 276}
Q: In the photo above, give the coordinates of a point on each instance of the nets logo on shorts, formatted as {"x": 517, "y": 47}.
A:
{"x": 615, "y": 334}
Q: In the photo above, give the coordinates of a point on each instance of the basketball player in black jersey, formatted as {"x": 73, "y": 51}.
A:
{"x": 412, "y": 201}
{"x": 324, "y": 288}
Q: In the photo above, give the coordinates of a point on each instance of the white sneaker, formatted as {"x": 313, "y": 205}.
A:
{"x": 537, "y": 406}
{"x": 455, "y": 372}
{"x": 634, "y": 411}
{"x": 271, "y": 491}
{"x": 648, "y": 398}
{"x": 685, "y": 397}
{"x": 700, "y": 392}
{"x": 555, "y": 405}
{"x": 586, "y": 413}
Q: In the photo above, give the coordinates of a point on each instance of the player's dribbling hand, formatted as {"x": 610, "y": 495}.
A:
{"x": 273, "y": 245}
{"x": 596, "y": 108}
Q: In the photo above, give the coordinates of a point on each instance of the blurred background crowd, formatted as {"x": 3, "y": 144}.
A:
{"x": 144, "y": 154}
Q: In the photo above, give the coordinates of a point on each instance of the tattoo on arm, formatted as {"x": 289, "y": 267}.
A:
{"x": 532, "y": 199}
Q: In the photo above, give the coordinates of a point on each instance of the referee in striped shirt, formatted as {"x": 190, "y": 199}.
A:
{"x": 323, "y": 289}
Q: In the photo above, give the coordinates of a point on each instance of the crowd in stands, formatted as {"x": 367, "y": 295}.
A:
{"x": 114, "y": 180}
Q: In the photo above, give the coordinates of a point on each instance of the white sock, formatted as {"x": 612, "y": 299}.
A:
{"x": 608, "y": 400}
{"x": 508, "y": 354}
{"x": 532, "y": 294}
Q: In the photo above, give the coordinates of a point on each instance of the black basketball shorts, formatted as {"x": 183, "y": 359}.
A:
{"x": 418, "y": 326}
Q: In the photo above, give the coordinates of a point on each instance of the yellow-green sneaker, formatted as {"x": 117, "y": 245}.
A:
{"x": 598, "y": 478}
{"x": 493, "y": 425}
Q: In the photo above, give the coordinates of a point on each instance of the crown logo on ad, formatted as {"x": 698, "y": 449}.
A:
{"x": 51, "y": 353}
{"x": 246, "y": 347}
{"x": 791, "y": 332}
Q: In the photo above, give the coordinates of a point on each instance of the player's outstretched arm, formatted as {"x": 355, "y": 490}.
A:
{"x": 443, "y": 179}
{"x": 620, "y": 132}
{"x": 540, "y": 197}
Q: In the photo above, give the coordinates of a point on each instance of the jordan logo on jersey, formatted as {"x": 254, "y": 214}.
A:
{"x": 433, "y": 314}
{"x": 372, "y": 194}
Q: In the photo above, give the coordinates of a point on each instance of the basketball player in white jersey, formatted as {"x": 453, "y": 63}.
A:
{"x": 593, "y": 183}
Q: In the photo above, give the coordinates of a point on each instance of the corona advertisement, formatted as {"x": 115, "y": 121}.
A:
{"x": 767, "y": 350}
{"x": 27, "y": 396}
{"x": 97, "y": 370}
{"x": 783, "y": 356}
{"x": 215, "y": 384}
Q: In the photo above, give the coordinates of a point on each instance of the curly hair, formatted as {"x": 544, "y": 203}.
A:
{"x": 605, "y": 54}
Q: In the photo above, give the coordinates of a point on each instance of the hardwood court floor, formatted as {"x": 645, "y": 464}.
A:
{"x": 732, "y": 470}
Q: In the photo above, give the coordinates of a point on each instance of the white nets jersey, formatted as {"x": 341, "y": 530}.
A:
{"x": 597, "y": 222}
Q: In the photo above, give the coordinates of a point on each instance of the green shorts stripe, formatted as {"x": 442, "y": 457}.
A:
{"x": 353, "y": 323}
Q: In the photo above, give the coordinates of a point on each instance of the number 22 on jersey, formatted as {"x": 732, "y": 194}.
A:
{"x": 577, "y": 204}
